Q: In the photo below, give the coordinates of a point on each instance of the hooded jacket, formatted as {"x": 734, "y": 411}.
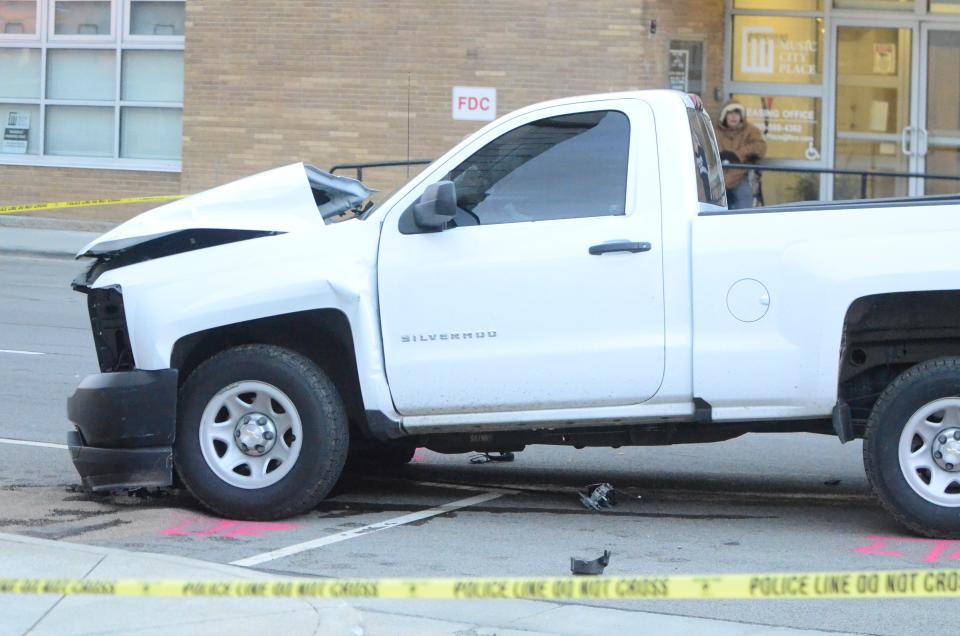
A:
{"x": 744, "y": 141}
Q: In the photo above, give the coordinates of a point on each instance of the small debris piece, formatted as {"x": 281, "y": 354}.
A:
{"x": 594, "y": 567}
{"x": 832, "y": 482}
{"x": 599, "y": 496}
{"x": 486, "y": 458}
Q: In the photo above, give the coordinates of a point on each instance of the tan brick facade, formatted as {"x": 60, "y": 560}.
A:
{"x": 23, "y": 184}
{"x": 268, "y": 83}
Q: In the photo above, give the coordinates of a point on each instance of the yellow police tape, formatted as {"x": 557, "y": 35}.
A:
{"x": 88, "y": 203}
{"x": 814, "y": 585}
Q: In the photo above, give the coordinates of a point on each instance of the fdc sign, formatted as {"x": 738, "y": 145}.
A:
{"x": 474, "y": 103}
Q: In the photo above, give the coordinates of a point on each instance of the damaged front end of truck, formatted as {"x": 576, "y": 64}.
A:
{"x": 125, "y": 417}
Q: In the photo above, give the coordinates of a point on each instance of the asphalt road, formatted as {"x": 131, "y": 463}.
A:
{"x": 777, "y": 502}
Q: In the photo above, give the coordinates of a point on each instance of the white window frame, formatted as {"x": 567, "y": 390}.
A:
{"x": 43, "y": 42}
{"x": 147, "y": 39}
{"x": 76, "y": 38}
{"x": 26, "y": 37}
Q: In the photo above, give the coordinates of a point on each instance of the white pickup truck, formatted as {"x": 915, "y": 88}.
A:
{"x": 569, "y": 274}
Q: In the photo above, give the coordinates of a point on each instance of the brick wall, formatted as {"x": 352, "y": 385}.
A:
{"x": 268, "y": 83}
{"x": 330, "y": 82}
{"x": 23, "y": 184}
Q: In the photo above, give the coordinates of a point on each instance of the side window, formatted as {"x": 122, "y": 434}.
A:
{"x": 557, "y": 168}
{"x": 709, "y": 170}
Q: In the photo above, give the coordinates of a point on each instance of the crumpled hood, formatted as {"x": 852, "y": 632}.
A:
{"x": 279, "y": 200}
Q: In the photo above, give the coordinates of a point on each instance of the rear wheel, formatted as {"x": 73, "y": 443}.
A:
{"x": 911, "y": 451}
{"x": 261, "y": 433}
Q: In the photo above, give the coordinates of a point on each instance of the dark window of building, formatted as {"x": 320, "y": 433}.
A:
{"x": 686, "y": 66}
{"x": 61, "y": 95}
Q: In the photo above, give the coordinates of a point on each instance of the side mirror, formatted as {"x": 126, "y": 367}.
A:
{"x": 436, "y": 206}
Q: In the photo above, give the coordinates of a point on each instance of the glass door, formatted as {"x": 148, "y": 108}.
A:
{"x": 938, "y": 150}
{"x": 874, "y": 125}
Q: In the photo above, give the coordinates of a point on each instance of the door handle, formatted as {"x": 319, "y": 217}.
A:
{"x": 619, "y": 246}
{"x": 906, "y": 141}
{"x": 924, "y": 142}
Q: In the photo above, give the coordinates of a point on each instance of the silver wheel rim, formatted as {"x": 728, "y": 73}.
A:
{"x": 244, "y": 414}
{"x": 928, "y": 444}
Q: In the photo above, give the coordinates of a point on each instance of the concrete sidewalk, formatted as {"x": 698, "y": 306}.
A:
{"x": 55, "y": 615}
{"x": 26, "y": 557}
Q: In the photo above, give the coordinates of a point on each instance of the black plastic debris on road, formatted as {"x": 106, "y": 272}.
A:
{"x": 486, "y": 458}
{"x": 597, "y": 497}
{"x": 588, "y": 567}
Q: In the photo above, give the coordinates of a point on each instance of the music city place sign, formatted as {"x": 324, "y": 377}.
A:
{"x": 764, "y": 51}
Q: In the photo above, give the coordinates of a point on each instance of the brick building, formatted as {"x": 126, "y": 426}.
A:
{"x": 114, "y": 98}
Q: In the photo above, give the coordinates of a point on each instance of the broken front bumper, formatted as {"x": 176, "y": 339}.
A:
{"x": 126, "y": 424}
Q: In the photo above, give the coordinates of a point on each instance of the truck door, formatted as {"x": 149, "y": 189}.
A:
{"x": 546, "y": 290}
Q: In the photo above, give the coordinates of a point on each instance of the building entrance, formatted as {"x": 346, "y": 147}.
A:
{"x": 869, "y": 85}
{"x": 896, "y": 106}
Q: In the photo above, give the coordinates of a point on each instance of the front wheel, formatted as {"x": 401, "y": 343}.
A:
{"x": 911, "y": 450}
{"x": 261, "y": 433}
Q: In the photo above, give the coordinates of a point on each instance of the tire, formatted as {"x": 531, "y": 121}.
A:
{"x": 916, "y": 418}
{"x": 283, "y": 410}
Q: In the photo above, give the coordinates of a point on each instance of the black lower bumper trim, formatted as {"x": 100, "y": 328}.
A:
{"x": 121, "y": 468}
{"x": 126, "y": 409}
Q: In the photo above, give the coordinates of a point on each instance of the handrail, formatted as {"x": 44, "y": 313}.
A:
{"x": 864, "y": 175}
{"x": 869, "y": 173}
{"x": 378, "y": 164}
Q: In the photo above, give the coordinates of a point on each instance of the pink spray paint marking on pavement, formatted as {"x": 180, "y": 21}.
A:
{"x": 937, "y": 548}
{"x": 225, "y": 529}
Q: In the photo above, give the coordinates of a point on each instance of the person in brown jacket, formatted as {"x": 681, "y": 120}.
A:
{"x": 739, "y": 142}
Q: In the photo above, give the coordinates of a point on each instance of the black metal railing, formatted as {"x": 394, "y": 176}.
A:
{"x": 864, "y": 175}
{"x": 359, "y": 167}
